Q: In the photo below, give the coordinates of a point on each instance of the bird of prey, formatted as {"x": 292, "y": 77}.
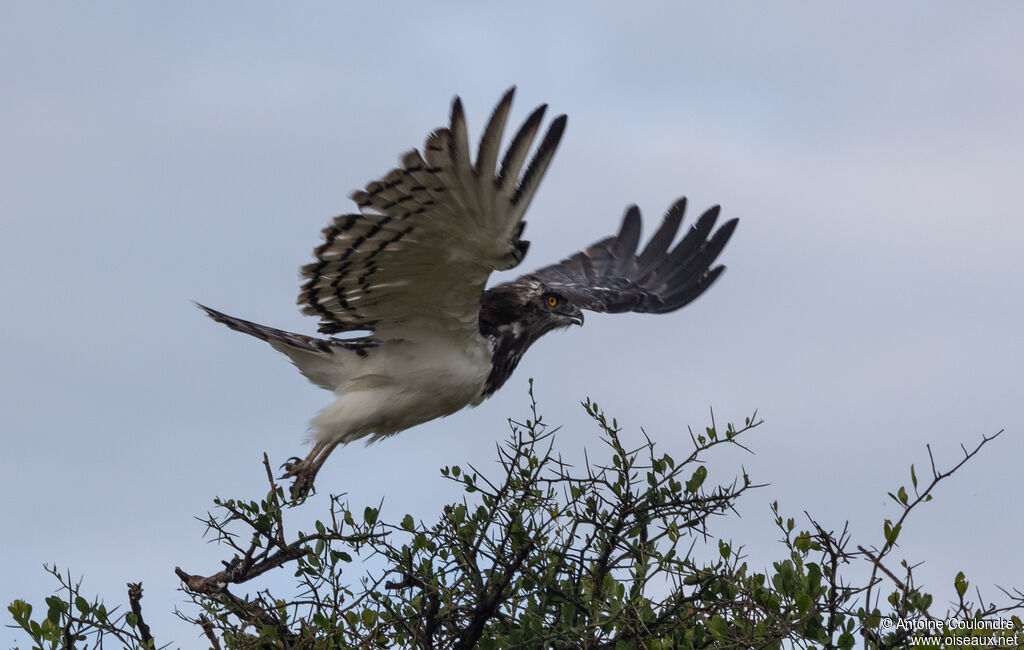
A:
{"x": 405, "y": 277}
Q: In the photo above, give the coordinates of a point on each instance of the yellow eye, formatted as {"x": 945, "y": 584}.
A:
{"x": 552, "y": 301}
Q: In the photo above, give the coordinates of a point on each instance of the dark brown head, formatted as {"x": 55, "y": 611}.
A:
{"x": 514, "y": 315}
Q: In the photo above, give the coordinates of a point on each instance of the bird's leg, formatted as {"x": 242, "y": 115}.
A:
{"x": 305, "y": 470}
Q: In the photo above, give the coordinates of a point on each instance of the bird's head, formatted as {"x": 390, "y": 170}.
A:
{"x": 527, "y": 309}
{"x": 545, "y": 308}
{"x": 557, "y": 309}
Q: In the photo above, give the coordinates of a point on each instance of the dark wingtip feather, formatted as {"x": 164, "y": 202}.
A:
{"x": 456, "y": 119}
{"x": 558, "y": 126}
{"x": 458, "y": 136}
{"x": 659, "y": 244}
{"x": 703, "y": 226}
{"x": 724, "y": 233}
{"x": 541, "y": 158}
{"x": 630, "y": 220}
{"x": 695, "y": 264}
{"x": 687, "y": 293}
{"x": 677, "y": 208}
{"x": 692, "y": 243}
{"x": 627, "y": 240}
{"x": 490, "y": 141}
{"x": 521, "y": 141}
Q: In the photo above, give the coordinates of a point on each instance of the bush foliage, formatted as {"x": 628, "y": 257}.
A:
{"x": 619, "y": 552}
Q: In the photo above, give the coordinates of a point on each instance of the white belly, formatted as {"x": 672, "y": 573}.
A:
{"x": 402, "y": 384}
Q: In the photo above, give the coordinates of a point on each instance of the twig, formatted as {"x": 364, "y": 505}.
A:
{"x": 273, "y": 495}
{"x": 207, "y": 626}
{"x": 134, "y": 596}
{"x": 877, "y": 561}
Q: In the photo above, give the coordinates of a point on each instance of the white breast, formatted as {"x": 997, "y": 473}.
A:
{"x": 404, "y": 383}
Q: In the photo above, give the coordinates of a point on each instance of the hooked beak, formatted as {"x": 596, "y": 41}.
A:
{"x": 576, "y": 317}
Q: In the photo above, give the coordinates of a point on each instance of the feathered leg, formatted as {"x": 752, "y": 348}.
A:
{"x": 305, "y": 470}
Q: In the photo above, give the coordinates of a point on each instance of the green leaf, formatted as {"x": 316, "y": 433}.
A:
{"x": 913, "y": 476}
{"x": 902, "y": 494}
{"x": 369, "y": 617}
{"x": 803, "y": 602}
{"x": 408, "y": 523}
{"x": 813, "y": 578}
{"x": 802, "y": 542}
{"x": 960, "y": 583}
{"x": 568, "y": 611}
{"x": 268, "y": 632}
{"x": 891, "y": 532}
{"x": 697, "y": 479}
{"x": 21, "y": 611}
{"x": 57, "y": 607}
{"x": 718, "y": 627}
{"x": 370, "y": 515}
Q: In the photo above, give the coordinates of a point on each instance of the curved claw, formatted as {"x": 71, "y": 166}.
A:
{"x": 304, "y": 470}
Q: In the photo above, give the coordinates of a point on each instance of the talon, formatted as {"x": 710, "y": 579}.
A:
{"x": 290, "y": 466}
{"x": 304, "y": 470}
{"x": 302, "y": 486}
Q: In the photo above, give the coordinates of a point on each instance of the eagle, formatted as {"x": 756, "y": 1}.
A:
{"x": 403, "y": 281}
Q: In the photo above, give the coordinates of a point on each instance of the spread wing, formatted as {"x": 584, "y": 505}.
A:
{"x": 429, "y": 233}
{"x": 610, "y": 276}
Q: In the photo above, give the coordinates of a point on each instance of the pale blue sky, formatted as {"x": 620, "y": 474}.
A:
{"x": 151, "y": 154}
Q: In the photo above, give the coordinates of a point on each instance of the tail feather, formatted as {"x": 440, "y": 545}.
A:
{"x": 315, "y": 358}
{"x": 270, "y": 334}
